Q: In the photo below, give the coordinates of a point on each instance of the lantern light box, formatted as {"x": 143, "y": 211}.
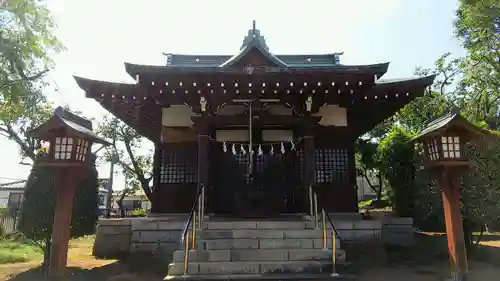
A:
{"x": 444, "y": 138}
{"x": 70, "y": 138}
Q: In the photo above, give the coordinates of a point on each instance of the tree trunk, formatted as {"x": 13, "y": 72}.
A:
{"x": 46, "y": 257}
{"x": 480, "y": 236}
{"x": 380, "y": 185}
{"x": 120, "y": 206}
{"x": 468, "y": 229}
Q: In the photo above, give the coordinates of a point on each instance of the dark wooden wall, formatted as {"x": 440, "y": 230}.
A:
{"x": 176, "y": 178}
{"x": 335, "y": 169}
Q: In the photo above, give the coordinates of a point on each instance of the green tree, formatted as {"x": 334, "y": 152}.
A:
{"x": 437, "y": 99}
{"x": 397, "y": 164}
{"x": 26, "y": 43}
{"x": 478, "y": 27}
{"x": 37, "y": 213}
{"x": 368, "y": 164}
{"x": 136, "y": 165}
{"x": 480, "y": 191}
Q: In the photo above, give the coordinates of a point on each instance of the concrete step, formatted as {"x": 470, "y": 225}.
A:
{"x": 261, "y": 243}
{"x": 255, "y": 267}
{"x": 262, "y": 224}
{"x": 269, "y": 277}
{"x": 261, "y": 233}
{"x": 258, "y": 255}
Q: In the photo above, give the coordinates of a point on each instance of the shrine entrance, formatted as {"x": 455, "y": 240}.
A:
{"x": 266, "y": 188}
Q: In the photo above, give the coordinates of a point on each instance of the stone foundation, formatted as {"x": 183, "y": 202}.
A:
{"x": 397, "y": 231}
{"x": 160, "y": 235}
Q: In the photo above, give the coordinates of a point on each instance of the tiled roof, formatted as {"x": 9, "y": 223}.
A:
{"x": 444, "y": 121}
{"x": 12, "y": 184}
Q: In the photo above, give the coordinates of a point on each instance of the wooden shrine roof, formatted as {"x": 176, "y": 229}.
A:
{"x": 140, "y": 107}
{"x": 253, "y": 73}
{"x": 301, "y": 60}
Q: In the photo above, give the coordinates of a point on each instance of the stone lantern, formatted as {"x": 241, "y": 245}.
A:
{"x": 443, "y": 144}
{"x": 70, "y": 139}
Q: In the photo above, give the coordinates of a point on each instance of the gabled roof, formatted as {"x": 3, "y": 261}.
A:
{"x": 252, "y": 41}
{"x": 255, "y": 43}
{"x": 444, "y": 122}
{"x": 300, "y": 60}
{"x": 73, "y": 123}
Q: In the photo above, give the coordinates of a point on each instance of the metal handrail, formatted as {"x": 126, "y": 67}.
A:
{"x": 192, "y": 212}
{"x": 192, "y": 220}
{"x": 331, "y": 223}
{"x": 324, "y": 218}
{"x": 315, "y": 215}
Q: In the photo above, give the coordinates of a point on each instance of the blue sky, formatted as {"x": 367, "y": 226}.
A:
{"x": 101, "y": 35}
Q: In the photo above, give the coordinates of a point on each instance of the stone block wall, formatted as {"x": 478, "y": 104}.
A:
{"x": 157, "y": 235}
{"x": 161, "y": 235}
{"x": 357, "y": 230}
{"x": 113, "y": 238}
{"x": 397, "y": 231}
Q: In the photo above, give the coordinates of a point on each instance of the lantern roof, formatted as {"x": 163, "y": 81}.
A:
{"x": 73, "y": 124}
{"x": 453, "y": 120}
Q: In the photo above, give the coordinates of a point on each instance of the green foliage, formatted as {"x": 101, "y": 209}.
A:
{"x": 367, "y": 162}
{"x": 436, "y": 99}
{"x": 478, "y": 27}
{"x": 481, "y": 186}
{"x": 37, "y": 213}
{"x": 139, "y": 213}
{"x": 480, "y": 189}
{"x": 125, "y": 152}
{"x": 397, "y": 163}
{"x": 18, "y": 250}
{"x": 26, "y": 43}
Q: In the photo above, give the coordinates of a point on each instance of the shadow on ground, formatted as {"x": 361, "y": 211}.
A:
{"x": 136, "y": 268}
{"x": 426, "y": 260}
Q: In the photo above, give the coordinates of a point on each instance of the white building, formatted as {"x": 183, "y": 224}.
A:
{"x": 138, "y": 200}
{"x": 11, "y": 192}
{"x": 365, "y": 192}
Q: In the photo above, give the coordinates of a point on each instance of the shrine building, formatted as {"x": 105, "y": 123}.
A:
{"x": 256, "y": 129}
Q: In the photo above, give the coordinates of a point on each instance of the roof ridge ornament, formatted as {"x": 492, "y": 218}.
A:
{"x": 254, "y": 35}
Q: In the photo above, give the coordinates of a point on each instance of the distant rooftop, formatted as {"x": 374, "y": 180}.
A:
{"x": 12, "y": 184}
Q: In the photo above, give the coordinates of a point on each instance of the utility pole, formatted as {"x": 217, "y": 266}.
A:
{"x": 111, "y": 174}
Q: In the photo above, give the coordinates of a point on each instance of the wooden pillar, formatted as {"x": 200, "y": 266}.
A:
{"x": 449, "y": 181}
{"x": 309, "y": 160}
{"x": 203, "y": 149}
{"x": 351, "y": 177}
{"x": 156, "y": 172}
{"x": 66, "y": 185}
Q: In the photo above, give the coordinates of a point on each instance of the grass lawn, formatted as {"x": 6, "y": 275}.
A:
{"x": 12, "y": 251}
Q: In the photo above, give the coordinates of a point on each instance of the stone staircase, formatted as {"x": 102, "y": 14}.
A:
{"x": 258, "y": 249}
